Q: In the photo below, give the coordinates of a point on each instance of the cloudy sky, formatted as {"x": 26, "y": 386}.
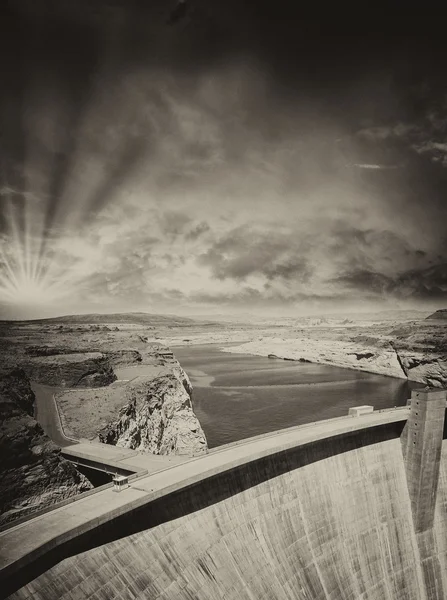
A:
{"x": 206, "y": 157}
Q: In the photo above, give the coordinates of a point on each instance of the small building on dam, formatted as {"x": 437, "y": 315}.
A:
{"x": 353, "y": 508}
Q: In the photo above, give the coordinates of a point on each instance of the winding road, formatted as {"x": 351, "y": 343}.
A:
{"x": 46, "y": 414}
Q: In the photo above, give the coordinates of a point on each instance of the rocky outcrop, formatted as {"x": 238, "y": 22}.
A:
{"x": 124, "y": 358}
{"x": 439, "y": 315}
{"x": 16, "y": 395}
{"x": 116, "y": 358}
{"x": 90, "y": 369}
{"x": 423, "y": 368}
{"x": 35, "y": 350}
{"x": 158, "y": 417}
{"x": 33, "y": 475}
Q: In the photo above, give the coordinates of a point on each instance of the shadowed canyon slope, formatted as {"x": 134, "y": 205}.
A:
{"x": 33, "y": 474}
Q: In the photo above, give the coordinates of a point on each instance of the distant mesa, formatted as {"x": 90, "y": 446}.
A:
{"x": 136, "y": 318}
{"x": 439, "y": 315}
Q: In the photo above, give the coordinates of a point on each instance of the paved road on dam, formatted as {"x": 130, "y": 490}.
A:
{"x": 91, "y": 510}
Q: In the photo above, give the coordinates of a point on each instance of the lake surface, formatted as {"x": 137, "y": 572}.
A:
{"x": 237, "y": 395}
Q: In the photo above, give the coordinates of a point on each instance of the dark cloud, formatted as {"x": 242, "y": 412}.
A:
{"x": 244, "y": 252}
{"x": 251, "y": 297}
{"x": 424, "y": 284}
{"x": 199, "y": 230}
{"x": 369, "y": 249}
{"x": 366, "y": 281}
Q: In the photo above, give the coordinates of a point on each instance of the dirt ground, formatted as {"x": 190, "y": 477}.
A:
{"x": 85, "y": 411}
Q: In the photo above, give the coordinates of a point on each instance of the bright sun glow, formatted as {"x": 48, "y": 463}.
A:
{"x": 27, "y": 291}
{"x": 21, "y": 290}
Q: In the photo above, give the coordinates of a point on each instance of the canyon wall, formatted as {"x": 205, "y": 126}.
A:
{"x": 86, "y": 369}
{"x": 383, "y": 357}
{"x": 157, "y": 416}
{"x": 33, "y": 475}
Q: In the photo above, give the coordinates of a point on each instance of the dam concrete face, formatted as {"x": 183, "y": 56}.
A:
{"x": 334, "y": 518}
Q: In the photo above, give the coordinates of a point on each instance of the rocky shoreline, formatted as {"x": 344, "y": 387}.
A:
{"x": 381, "y": 357}
{"x": 382, "y": 361}
{"x": 411, "y": 350}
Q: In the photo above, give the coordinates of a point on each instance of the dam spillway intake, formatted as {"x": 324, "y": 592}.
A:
{"x": 352, "y": 508}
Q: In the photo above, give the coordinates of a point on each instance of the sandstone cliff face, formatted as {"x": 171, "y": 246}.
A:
{"x": 423, "y": 368}
{"x": 420, "y": 357}
{"x": 158, "y": 417}
{"x": 90, "y": 369}
{"x": 33, "y": 475}
{"x": 381, "y": 359}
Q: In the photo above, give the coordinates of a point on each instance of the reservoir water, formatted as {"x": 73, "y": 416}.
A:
{"x": 237, "y": 396}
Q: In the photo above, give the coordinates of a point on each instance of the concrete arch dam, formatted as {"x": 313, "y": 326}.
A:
{"x": 352, "y": 508}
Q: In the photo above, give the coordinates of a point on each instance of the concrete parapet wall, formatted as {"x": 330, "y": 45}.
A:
{"x": 331, "y": 519}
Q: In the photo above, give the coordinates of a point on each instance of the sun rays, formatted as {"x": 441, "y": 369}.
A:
{"x": 44, "y": 202}
{"x": 28, "y": 276}
{"x": 23, "y": 291}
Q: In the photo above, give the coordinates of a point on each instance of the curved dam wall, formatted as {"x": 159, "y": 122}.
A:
{"x": 328, "y": 520}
